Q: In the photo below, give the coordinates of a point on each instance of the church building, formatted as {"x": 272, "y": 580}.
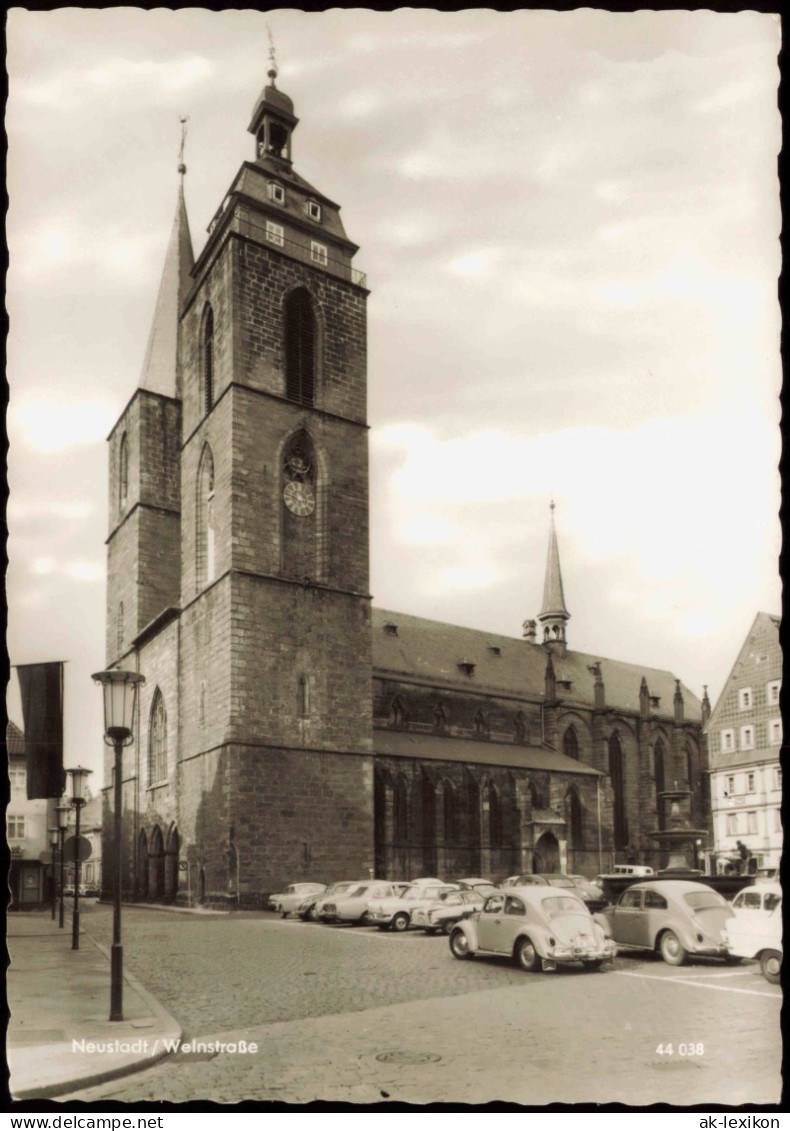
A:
{"x": 287, "y": 730}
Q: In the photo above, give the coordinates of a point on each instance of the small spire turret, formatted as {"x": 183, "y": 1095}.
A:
{"x": 553, "y": 615}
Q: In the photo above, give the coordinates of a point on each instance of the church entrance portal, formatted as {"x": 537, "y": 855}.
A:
{"x": 546, "y": 857}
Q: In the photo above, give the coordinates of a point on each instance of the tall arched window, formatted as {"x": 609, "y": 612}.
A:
{"x": 480, "y": 725}
{"x": 303, "y": 696}
{"x": 690, "y": 776}
{"x": 208, "y": 359}
{"x": 570, "y": 743}
{"x": 205, "y": 519}
{"x": 396, "y": 712}
{"x": 450, "y": 820}
{"x": 157, "y": 740}
{"x": 439, "y": 717}
{"x": 400, "y": 814}
{"x": 494, "y": 817}
{"x": 521, "y": 727}
{"x": 300, "y": 348}
{"x": 658, "y": 773}
{"x": 573, "y": 819}
{"x": 120, "y": 629}
{"x": 123, "y": 472}
{"x": 617, "y": 775}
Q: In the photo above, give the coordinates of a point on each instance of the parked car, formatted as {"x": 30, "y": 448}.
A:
{"x": 560, "y": 880}
{"x": 676, "y": 918}
{"x": 592, "y": 886}
{"x": 522, "y": 881}
{"x": 287, "y": 901}
{"x": 755, "y": 930}
{"x": 538, "y": 926}
{"x": 635, "y": 870}
{"x": 474, "y": 883}
{"x": 394, "y": 912}
{"x": 308, "y": 909}
{"x": 449, "y": 909}
{"x": 351, "y": 906}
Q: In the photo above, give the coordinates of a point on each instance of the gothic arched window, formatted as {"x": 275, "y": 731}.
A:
{"x": 300, "y": 347}
{"x": 123, "y": 472}
{"x": 205, "y": 519}
{"x": 396, "y": 712}
{"x": 208, "y": 359}
{"x": 303, "y": 696}
{"x": 439, "y": 717}
{"x": 494, "y": 817}
{"x": 400, "y": 814}
{"x": 658, "y": 774}
{"x": 521, "y": 727}
{"x": 570, "y": 743}
{"x": 573, "y": 818}
{"x": 480, "y": 725}
{"x": 450, "y": 819}
{"x": 617, "y": 775}
{"x": 157, "y": 740}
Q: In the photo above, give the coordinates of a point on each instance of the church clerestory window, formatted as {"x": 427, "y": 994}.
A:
{"x": 205, "y": 520}
{"x": 300, "y": 348}
{"x": 123, "y": 472}
{"x": 157, "y": 741}
{"x": 570, "y": 744}
{"x": 208, "y": 359}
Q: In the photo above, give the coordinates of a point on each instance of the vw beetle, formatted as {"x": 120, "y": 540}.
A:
{"x": 539, "y": 926}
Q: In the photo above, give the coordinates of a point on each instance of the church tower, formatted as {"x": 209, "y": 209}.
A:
{"x": 553, "y": 615}
{"x": 275, "y": 643}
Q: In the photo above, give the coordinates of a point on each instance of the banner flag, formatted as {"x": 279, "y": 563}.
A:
{"x": 42, "y": 712}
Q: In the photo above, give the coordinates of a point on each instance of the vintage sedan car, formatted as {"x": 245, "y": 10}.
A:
{"x": 449, "y": 909}
{"x": 538, "y": 926}
{"x": 676, "y": 918}
{"x": 308, "y": 909}
{"x": 755, "y": 930}
{"x": 395, "y": 912}
{"x": 351, "y": 906}
{"x": 288, "y": 901}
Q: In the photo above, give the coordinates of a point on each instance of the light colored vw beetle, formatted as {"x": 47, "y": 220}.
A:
{"x": 540, "y": 927}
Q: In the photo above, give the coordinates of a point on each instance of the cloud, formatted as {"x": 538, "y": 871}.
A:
{"x": 48, "y": 425}
{"x": 146, "y": 81}
{"x": 65, "y": 244}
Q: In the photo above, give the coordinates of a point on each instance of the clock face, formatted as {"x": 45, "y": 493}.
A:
{"x": 299, "y": 498}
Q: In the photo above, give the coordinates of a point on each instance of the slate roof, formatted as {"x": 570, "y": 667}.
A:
{"x": 160, "y": 365}
{"x": 431, "y": 651}
{"x": 439, "y": 748}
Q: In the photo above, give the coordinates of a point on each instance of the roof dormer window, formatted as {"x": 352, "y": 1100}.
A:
{"x": 467, "y": 667}
{"x": 655, "y": 700}
{"x": 276, "y": 192}
{"x": 313, "y": 210}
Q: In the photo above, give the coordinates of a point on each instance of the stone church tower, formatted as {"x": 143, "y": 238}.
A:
{"x": 238, "y": 551}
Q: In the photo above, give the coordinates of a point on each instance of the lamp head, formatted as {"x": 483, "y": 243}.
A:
{"x": 79, "y": 779}
{"x": 120, "y": 694}
{"x": 63, "y": 811}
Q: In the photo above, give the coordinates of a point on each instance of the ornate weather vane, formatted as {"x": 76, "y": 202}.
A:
{"x": 272, "y": 72}
{"x": 181, "y": 166}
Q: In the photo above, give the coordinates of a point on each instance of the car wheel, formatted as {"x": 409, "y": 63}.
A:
{"x": 400, "y": 921}
{"x": 771, "y": 966}
{"x": 459, "y": 945}
{"x": 312, "y": 914}
{"x": 364, "y": 920}
{"x": 526, "y": 955}
{"x": 593, "y": 964}
{"x": 672, "y": 950}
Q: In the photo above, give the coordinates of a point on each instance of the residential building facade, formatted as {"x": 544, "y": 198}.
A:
{"x": 744, "y": 737}
{"x": 27, "y": 830}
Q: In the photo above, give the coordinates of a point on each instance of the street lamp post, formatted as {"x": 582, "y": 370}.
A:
{"x": 62, "y": 811}
{"x": 120, "y": 693}
{"x": 54, "y": 836}
{"x": 79, "y": 776}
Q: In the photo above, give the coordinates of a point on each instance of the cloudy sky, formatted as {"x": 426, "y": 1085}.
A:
{"x": 569, "y": 223}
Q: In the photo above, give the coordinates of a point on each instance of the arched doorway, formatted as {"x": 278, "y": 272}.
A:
{"x": 171, "y": 865}
{"x": 156, "y": 866}
{"x": 546, "y": 856}
{"x": 142, "y": 865}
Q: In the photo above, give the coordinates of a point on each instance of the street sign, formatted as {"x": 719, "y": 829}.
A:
{"x": 182, "y": 865}
{"x": 83, "y": 849}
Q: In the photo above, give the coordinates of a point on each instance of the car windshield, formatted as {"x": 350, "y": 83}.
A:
{"x": 358, "y": 889}
{"x": 704, "y": 900}
{"x": 560, "y": 882}
{"x": 419, "y": 893}
{"x": 453, "y": 897}
{"x": 561, "y": 905}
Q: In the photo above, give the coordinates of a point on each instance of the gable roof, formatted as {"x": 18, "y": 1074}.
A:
{"x": 764, "y": 623}
{"x": 14, "y": 739}
{"x": 430, "y": 651}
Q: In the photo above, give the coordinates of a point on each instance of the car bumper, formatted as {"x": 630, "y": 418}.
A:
{"x": 606, "y": 953}
{"x": 710, "y": 950}
{"x": 380, "y": 916}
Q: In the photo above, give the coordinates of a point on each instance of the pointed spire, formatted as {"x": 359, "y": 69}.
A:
{"x": 644, "y": 699}
{"x": 161, "y": 371}
{"x": 705, "y": 705}
{"x": 553, "y": 614}
{"x": 678, "y": 704}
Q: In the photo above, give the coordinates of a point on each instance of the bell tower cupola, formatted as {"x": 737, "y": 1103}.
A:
{"x": 273, "y": 120}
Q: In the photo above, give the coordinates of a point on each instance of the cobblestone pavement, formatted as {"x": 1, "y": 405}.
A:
{"x": 359, "y": 1016}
